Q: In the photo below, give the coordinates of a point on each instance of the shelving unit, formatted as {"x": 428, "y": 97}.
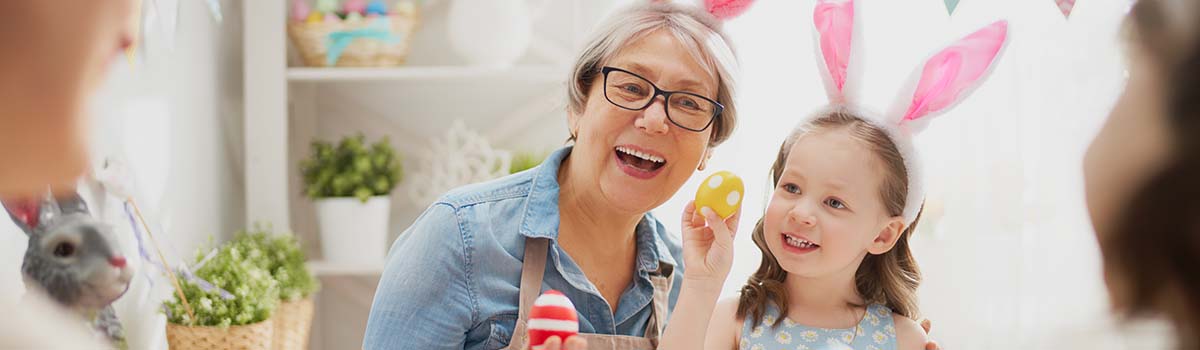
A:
{"x": 288, "y": 105}
{"x": 325, "y": 268}
{"x": 529, "y": 72}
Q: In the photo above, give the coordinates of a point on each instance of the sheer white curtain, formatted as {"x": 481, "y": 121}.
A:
{"x": 1006, "y": 247}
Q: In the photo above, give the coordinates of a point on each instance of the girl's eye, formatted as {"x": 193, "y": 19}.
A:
{"x": 791, "y": 188}
{"x": 835, "y": 203}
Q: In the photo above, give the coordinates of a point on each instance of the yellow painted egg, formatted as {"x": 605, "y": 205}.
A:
{"x": 314, "y": 17}
{"x": 722, "y": 191}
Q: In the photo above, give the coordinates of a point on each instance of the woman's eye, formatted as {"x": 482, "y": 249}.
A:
{"x": 835, "y": 203}
{"x": 633, "y": 89}
{"x": 688, "y": 103}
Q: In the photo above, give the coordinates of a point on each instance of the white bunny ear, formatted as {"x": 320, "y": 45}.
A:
{"x": 837, "y": 41}
{"x": 949, "y": 76}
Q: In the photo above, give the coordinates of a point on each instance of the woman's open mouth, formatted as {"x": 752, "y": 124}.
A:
{"x": 637, "y": 162}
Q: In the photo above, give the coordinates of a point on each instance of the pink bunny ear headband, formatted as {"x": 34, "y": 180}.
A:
{"x": 945, "y": 80}
{"x": 719, "y": 11}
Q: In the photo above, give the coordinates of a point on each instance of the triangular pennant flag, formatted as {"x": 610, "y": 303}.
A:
{"x": 951, "y": 5}
{"x": 1065, "y": 6}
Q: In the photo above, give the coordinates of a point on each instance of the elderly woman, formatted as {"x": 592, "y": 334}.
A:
{"x": 1143, "y": 172}
{"x": 649, "y": 99}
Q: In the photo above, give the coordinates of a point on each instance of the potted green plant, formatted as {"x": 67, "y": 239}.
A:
{"x": 284, "y": 260}
{"x": 229, "y": 300}
{"x": 350, "y": 182}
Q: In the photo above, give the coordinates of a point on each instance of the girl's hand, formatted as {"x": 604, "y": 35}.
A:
{"x": 707, "y": 245}
{"x": 573, "y": 343}
{"x": 931, "y": 345}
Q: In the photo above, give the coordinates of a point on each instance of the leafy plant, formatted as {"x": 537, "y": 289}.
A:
{"x": 252, "y": 293}
{"x": 351, "y": 169}
{"x": 283, "y": 258}
{"x": 526, "y": 160}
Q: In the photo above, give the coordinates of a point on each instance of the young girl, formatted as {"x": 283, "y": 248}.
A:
{"x": 836, "y": 269}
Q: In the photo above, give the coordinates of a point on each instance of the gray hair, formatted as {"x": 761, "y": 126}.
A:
{"x": 696, "y": 29}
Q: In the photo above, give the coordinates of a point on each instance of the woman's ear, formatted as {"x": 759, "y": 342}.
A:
{"x": 573, "y": 123}
{"x": 704, "y": 159}
{"x": 888, "y": 235}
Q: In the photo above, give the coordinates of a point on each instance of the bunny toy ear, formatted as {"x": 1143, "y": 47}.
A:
{"x": 70, "y": 203}
{"x": 953, "y": 73}
{"x": 49, "y": 209}
{"x": 726, "y": 9}
{"x": 24, "y": 212}
{"x": 834, "y": 22}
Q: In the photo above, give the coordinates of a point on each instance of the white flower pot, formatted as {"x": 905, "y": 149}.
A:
{"x": 353, "y": 232}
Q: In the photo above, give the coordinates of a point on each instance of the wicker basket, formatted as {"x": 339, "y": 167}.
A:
{"x": 293, "y": 322}
{"x": 249, "y": 337}
{"x": 372, "y": 42}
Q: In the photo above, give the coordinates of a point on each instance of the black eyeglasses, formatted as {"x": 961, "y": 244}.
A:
{"x": 687, "y": 110}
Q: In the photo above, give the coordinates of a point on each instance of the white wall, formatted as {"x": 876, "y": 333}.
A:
{"x": 175, "y": 118}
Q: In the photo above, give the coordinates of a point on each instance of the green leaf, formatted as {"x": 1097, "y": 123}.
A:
{"x": 340, "y": 170}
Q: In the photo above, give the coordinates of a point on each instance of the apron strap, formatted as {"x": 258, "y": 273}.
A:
{"x": 532, "y": 270}
{"x": 662, "y": 280}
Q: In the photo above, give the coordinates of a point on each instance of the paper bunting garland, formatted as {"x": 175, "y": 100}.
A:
{"x": 951, "y": 5}
{"x": 1065, "y": 6}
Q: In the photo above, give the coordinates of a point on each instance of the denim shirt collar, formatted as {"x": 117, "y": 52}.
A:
{"x": 540, "y": 216}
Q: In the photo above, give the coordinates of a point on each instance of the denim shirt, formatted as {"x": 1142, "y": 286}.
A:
{"x": 452, "y": 278}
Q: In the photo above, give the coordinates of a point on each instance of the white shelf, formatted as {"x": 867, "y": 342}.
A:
{"x": 532, "y": 72}
{"x": 326, "y": 268}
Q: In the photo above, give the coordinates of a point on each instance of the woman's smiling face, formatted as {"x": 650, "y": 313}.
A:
{"x": 638, "y": 159}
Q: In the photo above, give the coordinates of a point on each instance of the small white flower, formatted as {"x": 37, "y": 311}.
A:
{"x": 769, "y": 320}
{"x": 757, "y": 332}
{"x": 783, "y": 337}
{"x": 879, "y": 337}
{"x": 809, "y": 336}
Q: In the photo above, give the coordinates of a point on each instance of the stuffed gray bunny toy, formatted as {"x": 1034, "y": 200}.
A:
{"x": 74, "y": 258}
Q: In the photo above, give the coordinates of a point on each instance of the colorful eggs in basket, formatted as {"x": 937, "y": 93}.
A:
{"x": 376, "y": 7}
{"x": 327, "y": 6}
{"x": 552, "y": 314}
{"x": 355, "y": 6}
{"x": 314, "y": 17}
{"x": 300, "y": 10}
{"x": 722, "y": 192}
{"x": 353, "y": 17}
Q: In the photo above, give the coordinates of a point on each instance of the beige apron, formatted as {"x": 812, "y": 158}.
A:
{"x": 531, "y": 285}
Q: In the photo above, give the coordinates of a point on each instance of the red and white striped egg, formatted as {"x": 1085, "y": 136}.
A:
{"x": 553, "y": 314}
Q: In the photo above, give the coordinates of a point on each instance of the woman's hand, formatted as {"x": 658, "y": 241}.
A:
{"x": 707, "y": 245}
{"x": 555, "y": 343}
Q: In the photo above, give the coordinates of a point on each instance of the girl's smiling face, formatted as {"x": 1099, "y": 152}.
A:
{"x": 826, "y": 212}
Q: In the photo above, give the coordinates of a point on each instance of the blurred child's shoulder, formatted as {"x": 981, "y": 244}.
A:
{"x": 909, "y": 334}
